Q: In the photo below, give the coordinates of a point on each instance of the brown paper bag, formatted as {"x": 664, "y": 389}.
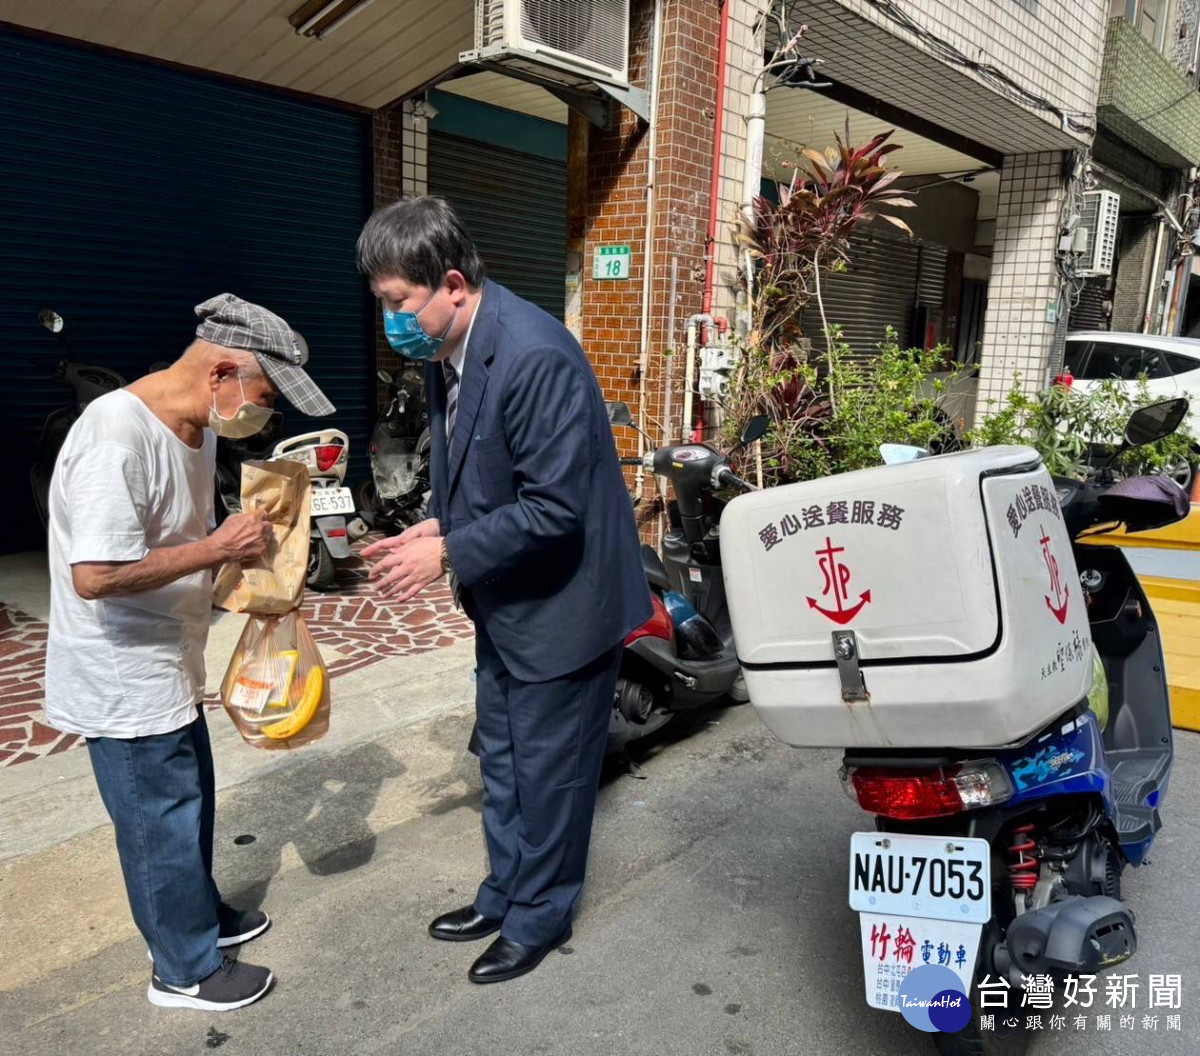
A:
{"x": 274, "y": 583}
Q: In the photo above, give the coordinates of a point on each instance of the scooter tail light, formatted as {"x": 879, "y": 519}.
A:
{"x": 908, "y": 795}
{"x": 328, "y": 456}
{"x": 660, "y": 624}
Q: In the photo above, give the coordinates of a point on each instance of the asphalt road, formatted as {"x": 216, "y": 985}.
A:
{"x": 715, "y": 920}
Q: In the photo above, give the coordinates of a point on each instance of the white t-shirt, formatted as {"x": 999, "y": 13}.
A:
{"x": 124, "y": 485}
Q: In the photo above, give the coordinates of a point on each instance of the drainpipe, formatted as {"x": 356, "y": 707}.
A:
{"x": 689, "y": 375}
{"x": 668, "y": 394}
{"x": 1152, "y": 286}
{"x": 648, "y": 251}
{"x": 714, "y": 198}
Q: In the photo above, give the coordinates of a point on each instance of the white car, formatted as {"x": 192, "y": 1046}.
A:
{"x": 1171, "y": 366}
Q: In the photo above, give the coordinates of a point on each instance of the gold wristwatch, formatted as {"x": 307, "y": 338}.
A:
{"x": 446, "y": 569}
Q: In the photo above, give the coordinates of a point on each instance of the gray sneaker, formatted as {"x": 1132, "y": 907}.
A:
{"x": 231, "y": 986}
{"x": 240, "y": 925}
{"x": 236, "y": 926}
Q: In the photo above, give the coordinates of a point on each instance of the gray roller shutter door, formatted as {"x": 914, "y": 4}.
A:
{"x": 515, "y": 207}
{"x": 882, "y": 286}
{"x": 130, "y": 192}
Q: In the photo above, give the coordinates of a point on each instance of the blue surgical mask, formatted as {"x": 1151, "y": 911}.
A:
{"x": 408, "y": 338}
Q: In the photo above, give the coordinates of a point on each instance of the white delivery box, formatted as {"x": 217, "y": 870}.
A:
{"x": 929, "y": 604}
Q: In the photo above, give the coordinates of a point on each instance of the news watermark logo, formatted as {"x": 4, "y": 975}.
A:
{"x": 932, "y": 1000}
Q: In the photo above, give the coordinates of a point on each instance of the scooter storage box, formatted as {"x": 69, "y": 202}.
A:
{"x": 929, "y": 604}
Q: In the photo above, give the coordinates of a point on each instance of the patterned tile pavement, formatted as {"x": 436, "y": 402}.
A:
{"x": 351, "y": 620}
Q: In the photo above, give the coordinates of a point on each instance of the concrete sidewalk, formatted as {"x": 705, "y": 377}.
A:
{"x": 714, "y": 922}
{"x": 56, "y": 800}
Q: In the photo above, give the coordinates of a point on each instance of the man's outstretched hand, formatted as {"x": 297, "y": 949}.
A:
{"x": 427, "y": 529}
{"x": 407, "y": 563}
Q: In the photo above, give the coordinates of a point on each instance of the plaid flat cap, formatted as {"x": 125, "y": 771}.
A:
{"x": 230, "y": 322}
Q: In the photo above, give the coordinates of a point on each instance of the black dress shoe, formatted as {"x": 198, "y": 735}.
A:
{"x": 505, "y": 959}
{"x": 463, "y": 925}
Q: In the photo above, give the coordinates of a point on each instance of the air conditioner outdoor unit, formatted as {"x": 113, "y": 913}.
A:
{"x": 568, "y": 41}
{"x": 1100, "y": 214}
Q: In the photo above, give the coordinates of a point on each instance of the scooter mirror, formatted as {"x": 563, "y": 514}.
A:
{"x": 52, "y": 321}
{"x": 896, "y": 454}
{"x": 755, "y": 429}
{"x": 1148, "y": 424}
{"x": 619, "y": 413}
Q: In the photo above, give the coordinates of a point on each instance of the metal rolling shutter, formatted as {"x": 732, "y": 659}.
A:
{"x": 880, "y": 288}
{"x": 131, "y": 192}
{"x": 1089, "y": 313}
{"x": 514, "y": 205}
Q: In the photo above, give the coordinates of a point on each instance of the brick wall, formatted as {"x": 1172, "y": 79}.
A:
{"x": 617, "y": 175}
{"x": 618, "y": 170}
{"x": 387, "y": 140}
{"x": 1135, "y": 253}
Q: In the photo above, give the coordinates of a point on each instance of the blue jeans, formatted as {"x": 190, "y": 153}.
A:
{"x": 161, "y": 796}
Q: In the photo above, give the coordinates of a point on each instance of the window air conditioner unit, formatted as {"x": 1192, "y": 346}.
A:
{"x": 565, "y": 41}
{"x": 1097, "y": 235}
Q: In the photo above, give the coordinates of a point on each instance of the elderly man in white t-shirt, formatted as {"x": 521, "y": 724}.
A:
{"x": 132, "y": 549}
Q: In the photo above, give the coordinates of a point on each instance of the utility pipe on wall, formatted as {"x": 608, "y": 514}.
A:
{"x": 1152, "y": 287}
{"x": 689, "y": 384}
{"x": 648, "y": 250}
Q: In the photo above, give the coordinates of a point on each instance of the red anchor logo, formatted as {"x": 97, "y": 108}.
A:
{"x": 1062, "y": 596}
{"x": 837, "y": 581}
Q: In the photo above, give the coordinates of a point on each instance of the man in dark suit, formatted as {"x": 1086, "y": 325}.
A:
{"x": 533, "y": 523}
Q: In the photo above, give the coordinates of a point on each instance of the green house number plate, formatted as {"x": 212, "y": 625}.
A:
{"x": 611, "y": 262}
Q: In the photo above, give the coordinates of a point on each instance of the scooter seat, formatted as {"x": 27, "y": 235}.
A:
{"x": 656, "y": 571}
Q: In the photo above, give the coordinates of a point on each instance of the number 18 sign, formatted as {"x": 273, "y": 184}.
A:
{"x": 611, "y": 262}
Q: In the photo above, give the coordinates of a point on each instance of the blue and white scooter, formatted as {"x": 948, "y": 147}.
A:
{"x": 1007, "y": 796}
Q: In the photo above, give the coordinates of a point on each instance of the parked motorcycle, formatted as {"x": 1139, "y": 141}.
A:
{"x": 335, "y": 524}
{"x": 998, "y": 688}
{"x": 87, "y": 383}
{"x": 683, "y": 656}
{"x": 397, "y": 493}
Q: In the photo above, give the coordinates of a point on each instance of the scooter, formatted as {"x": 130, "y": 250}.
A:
{"x": 326, "y": 454}
{"x": 87, "y": 383}
{"x": 1008, "y": 797}
{"x": 397, "y": 493}
{"x": 683, "y": 656}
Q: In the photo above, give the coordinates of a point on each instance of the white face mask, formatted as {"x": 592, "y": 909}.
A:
{"x": 247, "y": 420}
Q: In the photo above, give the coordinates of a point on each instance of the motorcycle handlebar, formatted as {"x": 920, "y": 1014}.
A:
{"x": 631, "y": 461}
{"x": 727, "y": 476}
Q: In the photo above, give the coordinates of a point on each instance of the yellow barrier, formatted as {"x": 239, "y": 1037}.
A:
{"x": 1177, "y": 605}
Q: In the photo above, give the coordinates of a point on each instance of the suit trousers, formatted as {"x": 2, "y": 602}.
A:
{"x": 541, "y": 747}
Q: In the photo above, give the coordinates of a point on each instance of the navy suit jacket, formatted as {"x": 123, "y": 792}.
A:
{"x": 532, "y": 502}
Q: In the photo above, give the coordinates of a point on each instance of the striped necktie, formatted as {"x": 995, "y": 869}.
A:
{"x": 451, "y": 376}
